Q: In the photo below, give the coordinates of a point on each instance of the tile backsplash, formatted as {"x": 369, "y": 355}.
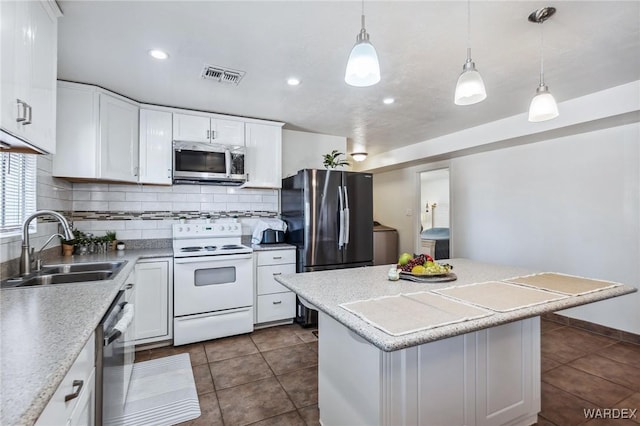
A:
{"x": 137, "y": 211}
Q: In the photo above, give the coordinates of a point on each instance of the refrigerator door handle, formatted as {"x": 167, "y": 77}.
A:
{"x": 346, "y": 216}
{"x": 340, "y": 219}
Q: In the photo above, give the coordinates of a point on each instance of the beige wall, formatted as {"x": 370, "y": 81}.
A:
{"x": 302, "y": 150}
{"x": 568, "y": 204}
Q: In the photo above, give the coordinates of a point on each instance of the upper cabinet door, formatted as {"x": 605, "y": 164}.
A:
{"x": 118, "y": 139}
{"x": 227, "y": 132}
{"x": 155, "y": 147}
{"x": 263, "y": 158}
{"x": 28, "y": 57}
{"x": 192, "y": 128}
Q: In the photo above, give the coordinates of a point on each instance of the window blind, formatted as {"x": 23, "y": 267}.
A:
{"x": 18, "y": 185}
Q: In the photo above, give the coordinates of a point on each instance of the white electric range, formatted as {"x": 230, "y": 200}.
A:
{"x": 213, "y": 282}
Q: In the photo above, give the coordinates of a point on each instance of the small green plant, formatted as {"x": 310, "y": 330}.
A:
{"x": 110, "y": 235}
{"x": 331, "y": 160}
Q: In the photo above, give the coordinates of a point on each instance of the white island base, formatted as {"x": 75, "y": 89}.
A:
{"x": 489, "y": 377}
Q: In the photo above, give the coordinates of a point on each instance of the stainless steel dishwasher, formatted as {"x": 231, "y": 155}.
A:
{"x": 114, "y": 359}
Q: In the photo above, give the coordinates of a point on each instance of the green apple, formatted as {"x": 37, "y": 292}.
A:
{"x": 404, "y": 259}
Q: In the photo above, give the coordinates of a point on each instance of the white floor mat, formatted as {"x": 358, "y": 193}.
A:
{"x": 162, "y": 392}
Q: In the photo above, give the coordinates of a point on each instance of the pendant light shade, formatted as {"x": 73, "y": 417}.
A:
{"x": 359, "y": 156}
{"x": 363, "y": 68}
{"x": 543, "y": 106}
{"x": 470, "y": 88}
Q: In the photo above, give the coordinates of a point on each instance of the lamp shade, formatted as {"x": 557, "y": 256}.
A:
{"x": 363, "y": 68}
{"x": 543, "y": 106}
{"x": 359, "y": 156}
{"x": 470, "y": 88}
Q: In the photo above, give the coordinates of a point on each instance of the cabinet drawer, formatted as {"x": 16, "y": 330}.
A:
{"x": 57, "y": 410}
{"x": 266, "y": 281}
{"x": 276, "y": 257}
{"x": 279, "y": 306}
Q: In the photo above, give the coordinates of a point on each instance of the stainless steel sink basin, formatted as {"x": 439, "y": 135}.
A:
{"x": 67, "y": 268}
{"x": 67, "y": 273}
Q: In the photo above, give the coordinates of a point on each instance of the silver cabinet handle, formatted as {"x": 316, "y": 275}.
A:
{"x": 28, "y": 120}
{"x": 213, "y": 134}
{"x": 22, "y": 105}
{"x": 278, "y": 302}
{"x": 79, "y": 384}
{"x": 128, "y": 287}
{"x": 277, "y": 257}
{"x": 208, "y": 134}
{"x": 277, "y": 273}
{"x": 169, "y": 173}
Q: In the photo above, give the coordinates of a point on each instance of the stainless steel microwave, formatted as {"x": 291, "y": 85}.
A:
{"x": 208, "y": 163}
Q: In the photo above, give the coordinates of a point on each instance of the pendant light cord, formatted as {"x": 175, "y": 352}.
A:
{"x": 362, "y": 16}
{"x": 468, "y": 30}
{"x": 541, "y": 55}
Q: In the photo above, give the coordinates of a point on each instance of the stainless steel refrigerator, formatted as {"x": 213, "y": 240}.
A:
{"x": 329, "y": 216}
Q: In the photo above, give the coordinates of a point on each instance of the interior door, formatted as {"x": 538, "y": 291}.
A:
{"x": 358, "y": 190}
{"x": 321, "y": 212}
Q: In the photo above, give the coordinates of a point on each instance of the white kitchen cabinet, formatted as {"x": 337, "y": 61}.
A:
{"x": 204, "y": 128}
{"x": 487, "y": 377}
{"x": 263, "y": 159}
{"x": 154, "y": 296}
{"x": 274, "y": 302}
{"x": 29, "y": 32}
{"x": 156, "y": 147}
{"x": 73, "y": 403}
{"x": 97, "y": 134}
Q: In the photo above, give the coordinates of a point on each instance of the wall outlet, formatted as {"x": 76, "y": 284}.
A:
{"x": 409, "y": 212}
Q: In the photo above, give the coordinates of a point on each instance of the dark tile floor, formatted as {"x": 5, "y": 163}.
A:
{"x": 583, "y": 370}
{"x": 269, "y": 377}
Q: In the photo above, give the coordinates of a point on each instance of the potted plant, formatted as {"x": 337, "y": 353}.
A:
{"x": 110, "y": 236}
{"x": 67, "y": 246}
{"x": 331, "y": 160}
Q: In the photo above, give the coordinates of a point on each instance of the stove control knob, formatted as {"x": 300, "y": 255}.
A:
{"x": 221, "y": 228}
{"x": 188, "y": 229}
{"x": 235, "y": 227}
{"x": 180, "y": 229}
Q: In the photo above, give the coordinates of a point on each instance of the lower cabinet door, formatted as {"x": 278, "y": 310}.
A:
{"x": 84, "y": 412}
{"x": 277, "y": 306}
{"x": 152, "y": 301}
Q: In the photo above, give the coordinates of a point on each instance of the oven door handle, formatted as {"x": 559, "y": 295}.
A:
{"x": 209, "y": 259}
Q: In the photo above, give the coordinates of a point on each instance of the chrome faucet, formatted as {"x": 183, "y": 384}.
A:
{"x": 27, "y": 251}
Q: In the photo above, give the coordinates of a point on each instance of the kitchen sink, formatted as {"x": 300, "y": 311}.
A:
{"x": 67, "y": 268}
{"x": 66, "y": 273}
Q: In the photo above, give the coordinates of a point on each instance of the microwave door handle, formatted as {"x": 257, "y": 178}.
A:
{"x": 227, "y": 162}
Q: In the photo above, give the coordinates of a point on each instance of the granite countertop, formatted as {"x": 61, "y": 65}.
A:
{"x": 326, "y": 290}
{"x": 43, "y": 330}
{"x": 271, "y": 247}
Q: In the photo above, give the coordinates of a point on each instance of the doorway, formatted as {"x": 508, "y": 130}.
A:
{"x": 434, "y": 215}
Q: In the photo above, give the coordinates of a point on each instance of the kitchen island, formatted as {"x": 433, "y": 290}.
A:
{"x": 482, "y": 370}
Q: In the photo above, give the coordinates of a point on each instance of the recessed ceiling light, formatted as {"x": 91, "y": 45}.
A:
{"x": 292, "y": 81}
{"x": 388, "y": 101}
{"x": 158, "y": 54}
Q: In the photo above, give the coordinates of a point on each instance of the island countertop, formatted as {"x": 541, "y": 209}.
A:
{"x": 43, "y": 329}
{"x": 327, "y": 290}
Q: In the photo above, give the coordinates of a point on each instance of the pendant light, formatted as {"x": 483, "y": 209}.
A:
{"x": 359, "y": 156}
{"x": 543, "y": 105}
{"x": 363, "y": 68}
{"x": 470, "y": 88}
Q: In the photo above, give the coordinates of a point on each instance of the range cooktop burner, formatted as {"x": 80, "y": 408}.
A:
{"x": 231, "y": 247}
{"x": 195, "y": 248}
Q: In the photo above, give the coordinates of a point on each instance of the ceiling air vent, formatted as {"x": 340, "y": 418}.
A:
{"x": 222, "y": 75}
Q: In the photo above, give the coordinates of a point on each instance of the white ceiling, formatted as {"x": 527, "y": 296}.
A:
{"x": 589, "y": 46}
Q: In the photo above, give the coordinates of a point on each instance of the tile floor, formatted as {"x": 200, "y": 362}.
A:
{"x": 582, "y": 370}
{"x": 269, "y": 377}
